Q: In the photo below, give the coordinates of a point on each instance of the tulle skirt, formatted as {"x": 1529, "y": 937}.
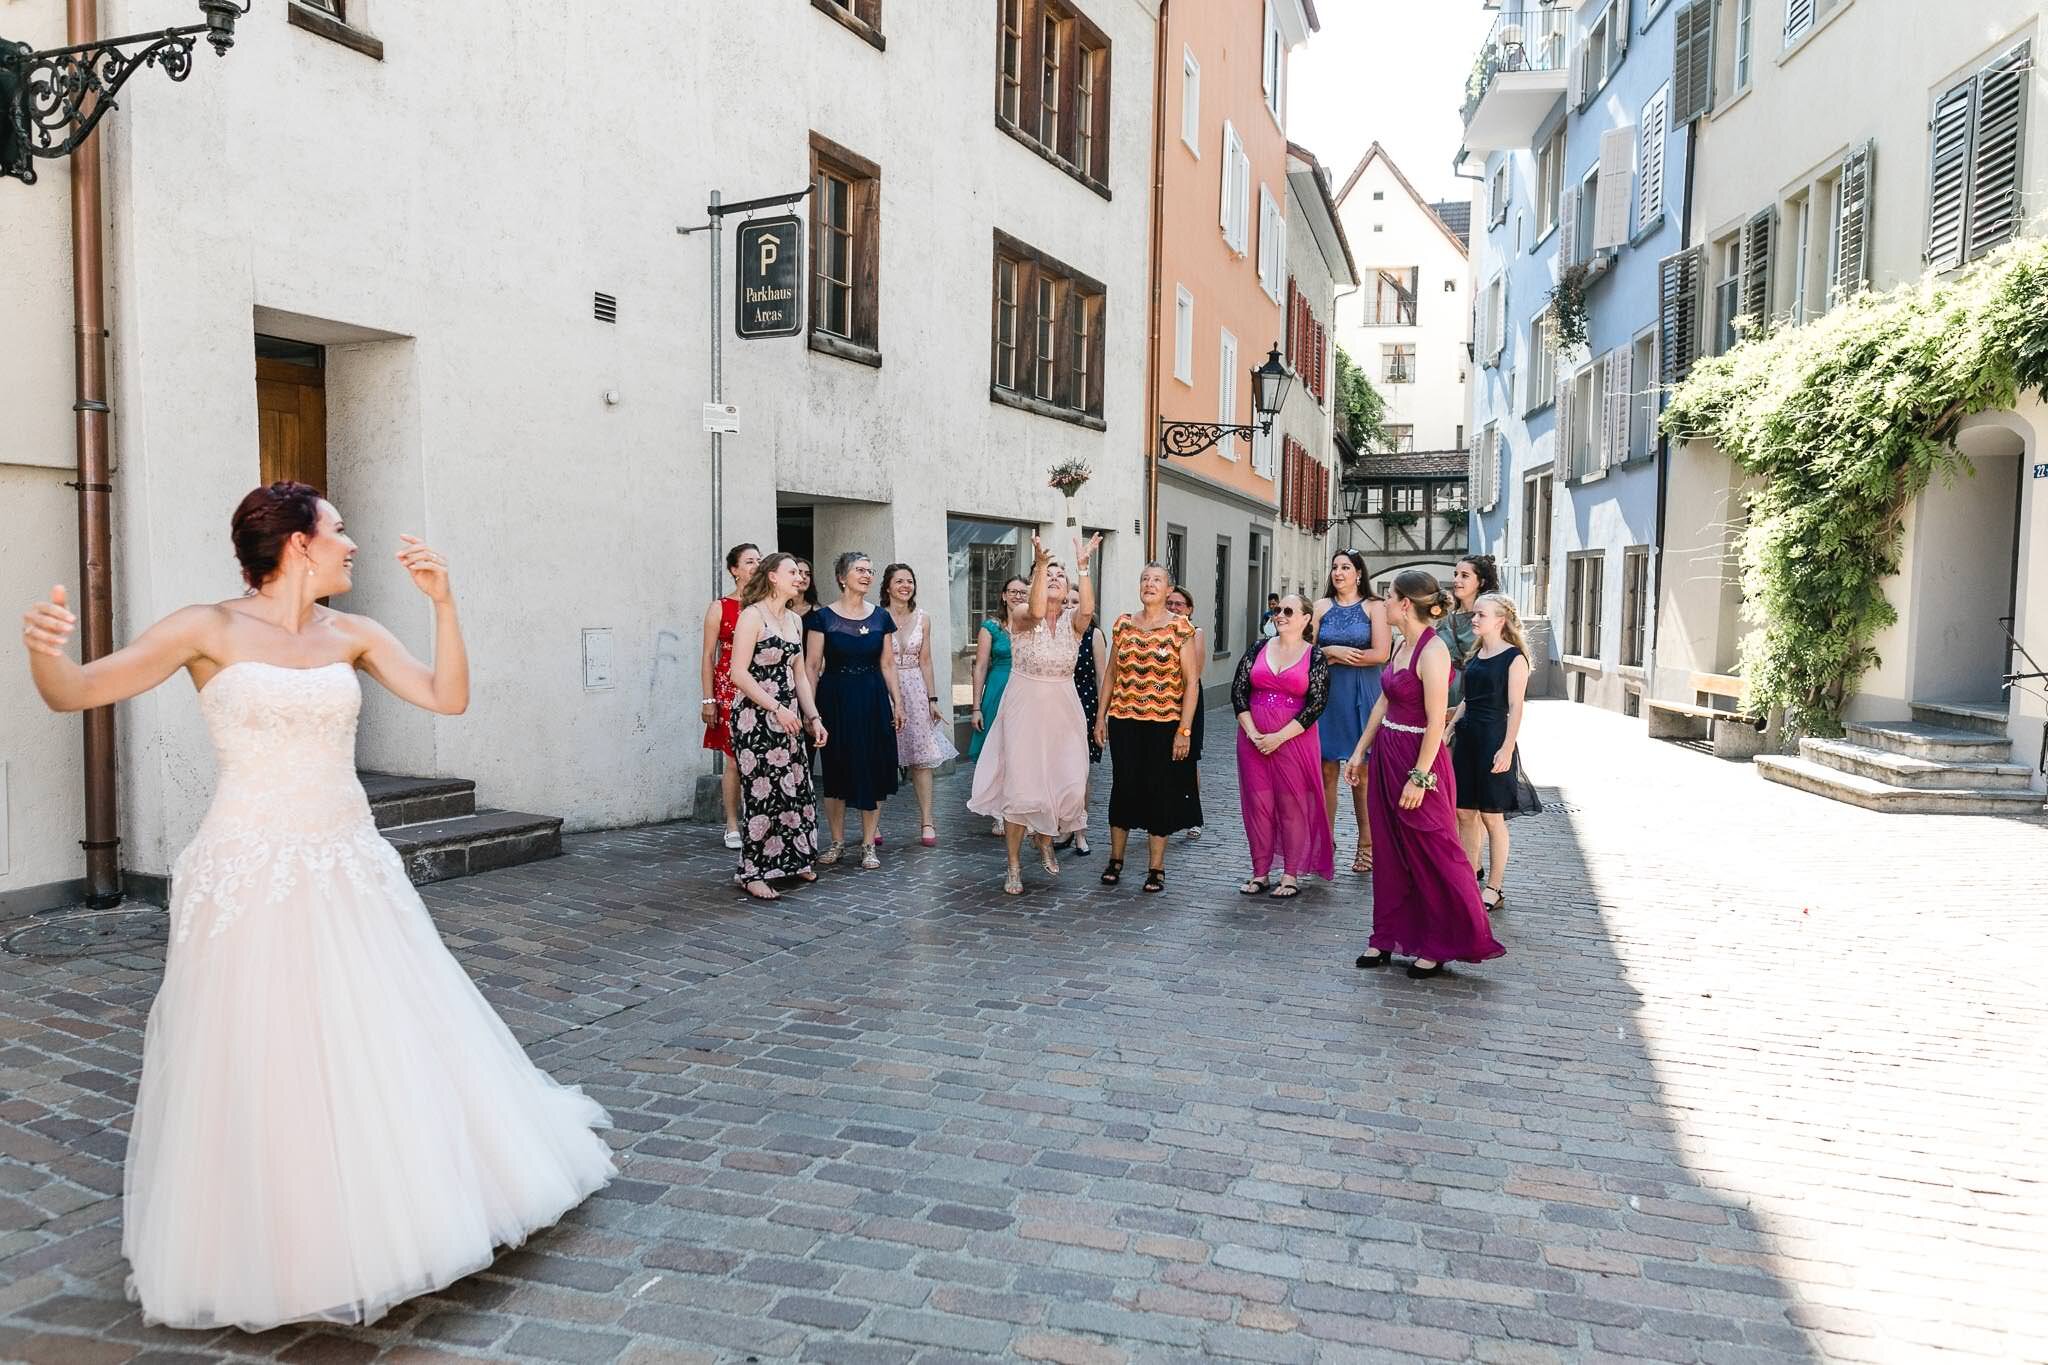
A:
{"x": 330, "y": 1119}
{"x": 1034, "y": 763}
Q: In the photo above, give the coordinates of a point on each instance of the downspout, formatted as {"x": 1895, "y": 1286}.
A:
{"x": 1151, "y": 433}
{"x": 102, "y": 841}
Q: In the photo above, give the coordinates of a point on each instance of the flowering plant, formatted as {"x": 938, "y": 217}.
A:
{"x": 1068, "y": 476}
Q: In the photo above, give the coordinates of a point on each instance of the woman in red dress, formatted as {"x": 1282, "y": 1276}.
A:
{"x": 716, "y": 667}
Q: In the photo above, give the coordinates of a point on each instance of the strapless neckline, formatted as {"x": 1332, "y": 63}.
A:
{"x": 282, "y": 668}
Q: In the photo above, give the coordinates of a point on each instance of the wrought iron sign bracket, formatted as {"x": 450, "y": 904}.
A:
{"x": 1192, "y": 438}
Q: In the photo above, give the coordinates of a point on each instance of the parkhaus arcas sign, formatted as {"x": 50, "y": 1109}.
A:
{"x": 769, "y": 299}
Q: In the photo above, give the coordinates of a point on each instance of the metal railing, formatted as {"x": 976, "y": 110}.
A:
{"x": 1527, "y": 38}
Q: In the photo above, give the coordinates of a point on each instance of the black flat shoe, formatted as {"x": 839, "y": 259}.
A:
{"x": 1372, "y": 960}
{"x": 1256, "y": 886}
{"x": 1424, "y": 973}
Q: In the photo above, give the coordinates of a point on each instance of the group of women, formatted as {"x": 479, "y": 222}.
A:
{"x": 1413, "y": 701}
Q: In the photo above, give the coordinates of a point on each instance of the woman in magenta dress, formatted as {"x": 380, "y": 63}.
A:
{"x": 1281, "y": 688}
{"x": 1425, "y": 902}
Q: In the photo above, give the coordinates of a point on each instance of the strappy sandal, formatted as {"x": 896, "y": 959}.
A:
{"x": 833, "y": 854}
{"x": 1287, "y": 890}
{"x": 869, "y": 859}
{"x": 1048, "y": 859}
{"x": 1112, "y": 871}
{"x": 1013, "y": 883}
{"x": 1155, "y": 880}
{"x": 1363, "y": 862}
{"x": 1253, "y": 887}
{"x": 1498, "y": 902}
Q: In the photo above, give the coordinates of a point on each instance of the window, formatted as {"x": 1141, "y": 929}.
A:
{"x": 1010, "y": 92}
{"x": 1447, "y": 498}
{"x": 845, "y": 250}
{"x": 1392, "y": 302}
{"x": 1595, "y": 57}
{"x": 333, "y": 7}
{"x": 1273, "y": 71}
{"x": 1226, "y": 395}
{"x": 1745, "y": 41}
{"x": 1052, "y": 84}
{"x": 1642, "y": 396}
{"x": 1176, "y": 552}
{"x": 1584, "y": 424}
{"x": 1583, "y": 571}
{"x": 1236, "y": 176}
{"x": 1400, "y": 437}
{"x": 1979, "y": 150}
{"x": 1536, "y": 504}
{"x": 1585, "y": 208}
{"x": 1219, "y": 630}
{"x": 862, "y": 16}
{"x": 1397, "y": 362}
{"x": 1802, "y": 254}
{"x": 1408, "y": 497}
{"x": 1272, "y": 245}
{"x": 1183, "y": 335}
{"x": 1549, "y": 183}
{"x": 1191, "y": 101}
{"x": 1048, "y": 333}
{"x": 1727, "y": 291}
{"x": 1491, "y": 326}
{"x": 1650, "y": 179}
{"x": 1542, "y": 363}
{"x": 1635, "y": 605}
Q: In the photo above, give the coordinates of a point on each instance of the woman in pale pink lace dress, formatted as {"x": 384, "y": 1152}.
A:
{"x": 1033, "y": 773}
{"x": 921, "y": 743}
{"x": 330, "y": 1118}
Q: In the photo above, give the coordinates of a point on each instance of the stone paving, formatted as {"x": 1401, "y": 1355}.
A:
{"x": 1763, "y": 1078}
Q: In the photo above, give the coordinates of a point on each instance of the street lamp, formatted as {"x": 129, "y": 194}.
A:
{"x": 1270, "y": 382}
{"x": 50, "y": 101}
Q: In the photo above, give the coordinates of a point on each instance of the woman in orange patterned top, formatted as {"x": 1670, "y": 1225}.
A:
{"x": 1146, "y": 717}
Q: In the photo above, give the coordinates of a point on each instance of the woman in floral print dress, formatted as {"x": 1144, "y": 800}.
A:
{"x": 771, "y": 714}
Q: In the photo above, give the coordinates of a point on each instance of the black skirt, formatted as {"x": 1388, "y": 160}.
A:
{"x": 1480, "y": 788}
{"x": 1148, "y": 788}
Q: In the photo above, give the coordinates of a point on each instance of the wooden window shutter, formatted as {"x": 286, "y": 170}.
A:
{"x": 1678, "y": 312}
{"x": 1619, "y": 30}
{"x": 1620, "y": 381}
{"x": 1998, "y": 151}
{"x": 1561, "y": 456}
{"x": 1322, "y": 363}
{"x": 1852, "y": 260}
{"x": 866, "y": 207}
{"x": 1798, "y": 18}
{"x": 1568, "y": 228}
{"x": 1098, "y": 348}
{"x": 1616, "y": 194}
{"x": 1949, "y": 176}
{"x": 1759, "y": 249}
{"x": 1575, "y": 77}
{"x": 1692, "y": 62}
{"x": 1656, "y": 127}
{"x": 1497, "y": 334}
{"x": 1293, "y": 324}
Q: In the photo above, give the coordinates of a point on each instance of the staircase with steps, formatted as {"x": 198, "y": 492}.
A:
{"x": 1951, "y": 758}
{"x": 439, "y": 833}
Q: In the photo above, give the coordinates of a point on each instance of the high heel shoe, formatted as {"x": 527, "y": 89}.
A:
{"x": 1013, "y": 883}
{"x": 1048, "y": 859}
{"x": 1499, "y": 902}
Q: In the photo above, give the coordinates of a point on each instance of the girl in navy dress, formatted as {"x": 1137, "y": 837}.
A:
{"x": 858, "y": 702}
{"x": 1484, "y": 761}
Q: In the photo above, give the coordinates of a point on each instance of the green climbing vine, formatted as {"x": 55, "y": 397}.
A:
{"x": 1843, "y": 422}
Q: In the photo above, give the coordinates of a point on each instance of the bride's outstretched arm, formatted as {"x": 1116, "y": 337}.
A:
{"x": 154, "y": 655}
{"x": 444, "y": 688}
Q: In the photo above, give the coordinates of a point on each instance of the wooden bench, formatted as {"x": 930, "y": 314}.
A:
{"x": 1735, "y": 731}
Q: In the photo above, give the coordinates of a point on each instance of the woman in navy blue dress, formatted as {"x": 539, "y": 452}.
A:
{"x": 843, "y": 645}
{"x": 1351, "y": 631}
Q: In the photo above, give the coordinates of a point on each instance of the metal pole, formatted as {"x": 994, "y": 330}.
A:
{"x": 717, "y": 396}
{"x": 102, "y": 841}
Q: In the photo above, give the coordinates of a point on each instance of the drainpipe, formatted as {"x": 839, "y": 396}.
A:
{"x": 1151, "y": 434}
{"x": 102, "y": 841}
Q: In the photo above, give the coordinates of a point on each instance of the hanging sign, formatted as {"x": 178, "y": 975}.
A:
{"x": 769, "y": 301}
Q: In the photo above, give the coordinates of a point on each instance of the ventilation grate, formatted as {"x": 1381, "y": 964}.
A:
{"x": 607, "y": 308}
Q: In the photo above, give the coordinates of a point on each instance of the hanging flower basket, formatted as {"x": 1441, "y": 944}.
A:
{"x": 1068, "y": 476}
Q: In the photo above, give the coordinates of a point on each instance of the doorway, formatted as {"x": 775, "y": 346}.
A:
{"x": 1965, "y": 574}
{"x": 291, "y": 411}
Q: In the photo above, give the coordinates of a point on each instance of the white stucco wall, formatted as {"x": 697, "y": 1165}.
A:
{"x": 1392, "y": 232}
{"x": 1300, "y": 556}
{"x": 440, "y": 220}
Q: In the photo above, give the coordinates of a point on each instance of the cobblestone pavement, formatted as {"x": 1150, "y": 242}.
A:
{"x": 1762, "y": 1079}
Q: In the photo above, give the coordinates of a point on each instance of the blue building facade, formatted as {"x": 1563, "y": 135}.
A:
{"x": 1569, "y": 113}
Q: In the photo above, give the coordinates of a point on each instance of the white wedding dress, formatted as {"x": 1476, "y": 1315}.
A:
{"x": 331, "y": 1119}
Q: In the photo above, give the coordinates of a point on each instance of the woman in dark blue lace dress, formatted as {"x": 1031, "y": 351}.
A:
{"x": 845, "y": 644}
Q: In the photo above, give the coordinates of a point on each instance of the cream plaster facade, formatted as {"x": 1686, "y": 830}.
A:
{"x": 440, "y": 219}
{"x": 1392, "y": 229}
{"x": 1971, "y": 552}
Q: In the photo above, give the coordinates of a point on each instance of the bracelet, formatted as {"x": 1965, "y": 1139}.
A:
{"x": 708, "y": 701}
{"x": 1419, "y": 778}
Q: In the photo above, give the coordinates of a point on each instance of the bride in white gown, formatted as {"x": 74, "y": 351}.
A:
{"x": 330, "y": 1119}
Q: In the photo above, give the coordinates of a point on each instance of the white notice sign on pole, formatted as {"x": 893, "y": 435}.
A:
{"x": 722, "y": 417}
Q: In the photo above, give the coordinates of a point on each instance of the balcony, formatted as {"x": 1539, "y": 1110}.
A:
{"x": 1517, "y": 78}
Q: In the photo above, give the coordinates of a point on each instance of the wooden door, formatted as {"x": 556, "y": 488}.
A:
{"x": 291, "y": 419}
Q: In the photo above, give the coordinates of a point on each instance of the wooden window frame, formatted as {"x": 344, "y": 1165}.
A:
{"x": 862, "y": 18}
{"x": 1008, "y": 343}
{"x": 335, "y": 25}
{"x": 863, "y": 178}
{"x": 1635, "y": 601}
{"x": 1073, "y": 372}
{"x": 1582, "y": 612}
{"x": 1081, "y": 66}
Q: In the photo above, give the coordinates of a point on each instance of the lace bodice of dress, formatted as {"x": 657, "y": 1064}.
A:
{"x": 289, "y": 809}
{"x": 1047, "y": 650}
{"x": 907, "y": 640}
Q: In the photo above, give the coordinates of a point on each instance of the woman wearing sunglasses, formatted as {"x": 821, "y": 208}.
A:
{"x": 1280, "y": 690}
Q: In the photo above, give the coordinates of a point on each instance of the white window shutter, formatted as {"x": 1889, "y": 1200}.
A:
{"x": 1617, "y": 186}
{"x": 1568, "y": 228}
{"x": 1575, "y": 76}
{"x": 1656, "y": 127}
{"x": 1998, "y": 151}
{"x": 1620, "y": 384}
{"x": 1497, "y": 329}
{"x": 1798, "y": 18}
{"x": 1227, "y": 172}
{"x": 1619, "y": 29}
{"x": 1561, "y": 457}
{"x": 1244, "y": 197}
{"x": 1852, "y": 259}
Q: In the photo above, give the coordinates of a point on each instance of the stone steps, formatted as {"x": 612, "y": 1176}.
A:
{"x": 1933, "y": 742}
{"x": 1990, "y": 717}
{"x": 1909, "y": 770}
{"x": 440, "y": 832}
{"x": 1951, "y": 758}
{"x": 1858, "y": 790}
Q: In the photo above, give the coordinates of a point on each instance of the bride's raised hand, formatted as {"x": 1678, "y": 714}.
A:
{"x": 428, "y": 568}
{"x": 46, "y": 627}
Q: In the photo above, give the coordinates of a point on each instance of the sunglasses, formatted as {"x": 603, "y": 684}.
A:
{"x": 1289, "y": 611}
